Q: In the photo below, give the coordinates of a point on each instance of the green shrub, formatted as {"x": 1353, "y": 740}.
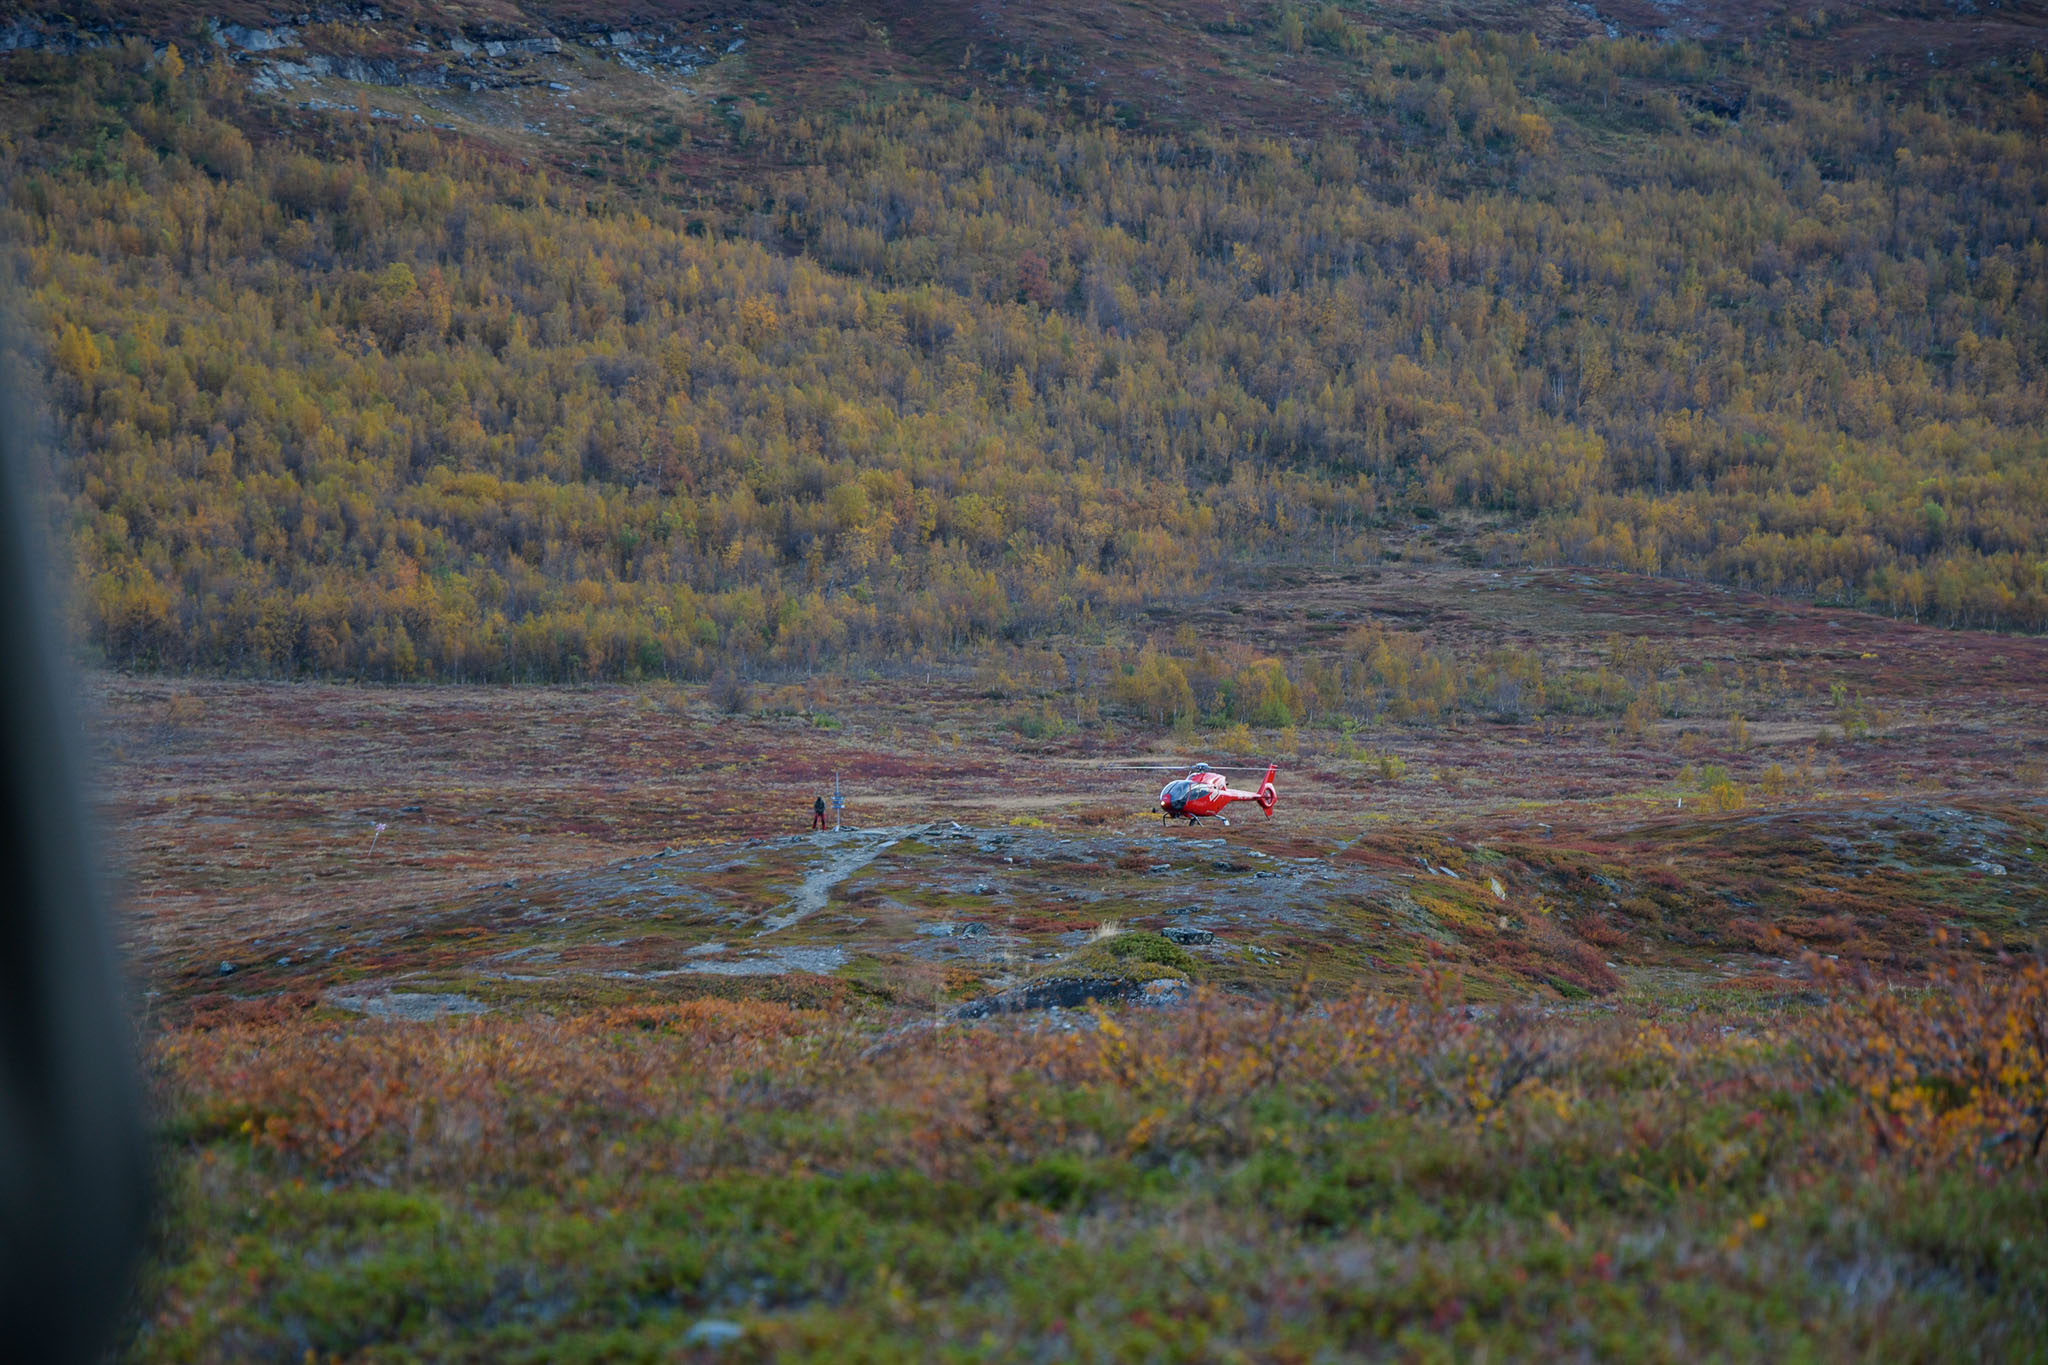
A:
{"x": 1142, "y": 945}
{"x": 1140, "y": 955}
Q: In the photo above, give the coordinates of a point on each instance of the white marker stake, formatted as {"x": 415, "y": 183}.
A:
{"x": 374, "y": 833}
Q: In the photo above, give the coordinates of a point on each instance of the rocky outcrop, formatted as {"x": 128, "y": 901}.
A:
{"x": 390, "y": 53}
{"x": 61, "y": 35}
{"x": 1070, "y": 992}
{"x": 546, "y": 45}
{"x": 239, "y": 39}
{"x": 1062, "y": 992}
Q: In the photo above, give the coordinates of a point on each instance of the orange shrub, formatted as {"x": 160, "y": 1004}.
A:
{"x": 1955, "y": 1071}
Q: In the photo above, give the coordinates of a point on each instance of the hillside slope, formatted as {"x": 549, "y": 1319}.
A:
{"x": 495, "y": 341}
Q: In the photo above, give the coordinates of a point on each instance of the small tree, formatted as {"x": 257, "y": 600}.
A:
{"x": 730, "y": 692}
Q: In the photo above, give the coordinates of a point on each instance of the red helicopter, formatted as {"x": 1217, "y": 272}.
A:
{"x": 1203, "y": 794}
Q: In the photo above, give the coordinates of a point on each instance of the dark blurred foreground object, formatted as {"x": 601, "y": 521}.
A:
{"x": 73, "y": 1158}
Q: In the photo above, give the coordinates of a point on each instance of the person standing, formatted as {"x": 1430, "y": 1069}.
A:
{"x": 818, "y": 813}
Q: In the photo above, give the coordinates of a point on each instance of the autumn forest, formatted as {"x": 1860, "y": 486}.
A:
{"x": 360, "y": 399}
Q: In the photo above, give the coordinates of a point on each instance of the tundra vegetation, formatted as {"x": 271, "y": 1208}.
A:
{"x": 1373, "y": 1175}
{"x": 1494, "y": 1044}
{"x": 1607, "y": 474}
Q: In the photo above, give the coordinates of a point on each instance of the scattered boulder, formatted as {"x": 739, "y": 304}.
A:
{"x": 1165, "y": 991}
{"x": 1184, "y": 935}
{"x": 713, "y": 1332}
{"x": 952, "y": 929}
{"x": 412, "y": 1006}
